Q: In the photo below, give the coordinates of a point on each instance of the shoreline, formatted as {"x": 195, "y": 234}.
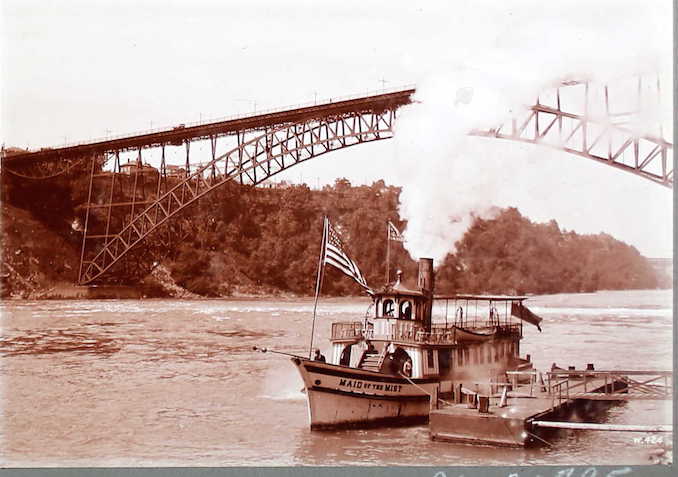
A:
{"x": 67, "y": 292}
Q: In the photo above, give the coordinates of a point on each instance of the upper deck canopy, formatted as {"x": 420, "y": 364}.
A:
{"x": 398, "y": 289}
{"x": 482, "y": 297}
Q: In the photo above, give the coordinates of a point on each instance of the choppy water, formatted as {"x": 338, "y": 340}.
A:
{"x": 168, "y": 382}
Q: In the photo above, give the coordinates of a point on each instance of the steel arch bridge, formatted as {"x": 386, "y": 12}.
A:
{"x": 272, "y": 142}
{"x": 604, "y": 138}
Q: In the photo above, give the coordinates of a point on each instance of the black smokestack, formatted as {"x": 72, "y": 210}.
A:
{"x": 425, "y": 281}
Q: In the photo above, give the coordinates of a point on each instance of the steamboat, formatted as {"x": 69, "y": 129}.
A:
{"x": 388, "y": 368}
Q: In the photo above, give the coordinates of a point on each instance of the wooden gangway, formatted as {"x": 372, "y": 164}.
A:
{"x": 616, "y": 385}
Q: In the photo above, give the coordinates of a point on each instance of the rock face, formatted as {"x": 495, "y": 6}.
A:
{"x": 38, "y": 263}
{"x": 35, "y": 260}
{"x": 160, "y": 278}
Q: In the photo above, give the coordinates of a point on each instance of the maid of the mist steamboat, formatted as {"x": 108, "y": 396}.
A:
{"x": 387, "y": 368}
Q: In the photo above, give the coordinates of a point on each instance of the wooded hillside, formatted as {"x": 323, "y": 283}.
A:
{"x": 266, "y": 240}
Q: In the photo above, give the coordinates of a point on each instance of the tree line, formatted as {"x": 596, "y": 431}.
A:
{"x": 242, "y": 239}
{"x": 269, "y": 239}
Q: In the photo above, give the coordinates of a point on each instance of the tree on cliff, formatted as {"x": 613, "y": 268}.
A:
{"x": 511, "y": 254}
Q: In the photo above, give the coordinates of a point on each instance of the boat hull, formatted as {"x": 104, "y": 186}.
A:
{"x": 340, "y": 396}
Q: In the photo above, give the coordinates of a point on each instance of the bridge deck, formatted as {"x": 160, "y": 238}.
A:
{"x": 177, "y": 135}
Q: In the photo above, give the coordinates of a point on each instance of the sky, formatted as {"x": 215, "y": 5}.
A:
{"x": 75, "y": 70}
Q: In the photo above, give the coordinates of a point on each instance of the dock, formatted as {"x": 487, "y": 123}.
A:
{"x": 518, "y": 412}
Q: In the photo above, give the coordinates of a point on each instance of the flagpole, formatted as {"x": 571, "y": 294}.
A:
{"x": 388, "y": 253}
{"x": 318, "y": 282}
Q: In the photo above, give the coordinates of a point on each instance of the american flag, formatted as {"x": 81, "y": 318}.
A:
{"x": 394, "y": 234}
{"x": 334, "y": 255}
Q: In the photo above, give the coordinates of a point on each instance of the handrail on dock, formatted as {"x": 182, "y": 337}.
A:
{"x": 566, "y": 385}
{"x": 614, "y": 371}
{"x": 608, "y": 384}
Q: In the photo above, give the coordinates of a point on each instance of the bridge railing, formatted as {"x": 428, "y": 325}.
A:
{"x": 232, "y": 117}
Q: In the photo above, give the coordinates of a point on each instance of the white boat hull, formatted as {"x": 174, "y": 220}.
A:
{"x": 340, "y": 396}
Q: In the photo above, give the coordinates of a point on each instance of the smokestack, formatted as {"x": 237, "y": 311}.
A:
{"x": 425, "y": 281}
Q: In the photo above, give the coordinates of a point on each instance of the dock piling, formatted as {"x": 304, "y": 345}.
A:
{"x": 504, "y": 395}
{"x": 434, "y": 399}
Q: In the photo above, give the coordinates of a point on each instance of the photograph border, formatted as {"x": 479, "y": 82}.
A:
{"x": 398, "y": 471}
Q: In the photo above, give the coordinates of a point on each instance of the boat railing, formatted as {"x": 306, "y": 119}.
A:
{"x": 437, "y": 337}
{"x": 510, "y": 329}
{"x": 412, "y": 332}
{"x": 480, "y": 326}
{"x": 409, "y": 332}
{"x": 472, "y": 326}
{"x": 346, "y": 330}
{"x": 404, "y": 331}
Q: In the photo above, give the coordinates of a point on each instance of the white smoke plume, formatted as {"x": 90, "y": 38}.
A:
{"x": 487, "y": 76}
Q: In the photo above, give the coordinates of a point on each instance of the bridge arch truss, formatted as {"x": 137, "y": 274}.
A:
{"x": 251, "y": 163}
{"x": 600, "y": 140}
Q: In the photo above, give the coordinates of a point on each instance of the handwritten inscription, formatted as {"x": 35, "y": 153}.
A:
{"x": 569, "y": 472}
{"x": 364, "y": 385}
{"x": 648, "y": 440}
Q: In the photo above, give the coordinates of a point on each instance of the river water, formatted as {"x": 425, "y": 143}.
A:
{"x": 170, "y": 382}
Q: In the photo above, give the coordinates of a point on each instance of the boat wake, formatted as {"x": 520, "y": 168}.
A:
{"x": 285, "y": 396}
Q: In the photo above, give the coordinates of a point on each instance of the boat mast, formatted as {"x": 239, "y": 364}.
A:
{"x": 319, "y": 281}
{"x": 388, "y": 253}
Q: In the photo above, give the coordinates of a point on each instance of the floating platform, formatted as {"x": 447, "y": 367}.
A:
{"x": 520, "y": 415}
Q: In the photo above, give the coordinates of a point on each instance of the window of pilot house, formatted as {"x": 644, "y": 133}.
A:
{"x": 429, "y": 356}
{"x": 444, "y": 361}
{"x": 460, "y": 356}
{"x": 406, "y": 309}
{"x": 388, "y": 308}
{"x": 467, "y": 355}
{"x": 481, "y": 356}
{"x": 345, "y": 359}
